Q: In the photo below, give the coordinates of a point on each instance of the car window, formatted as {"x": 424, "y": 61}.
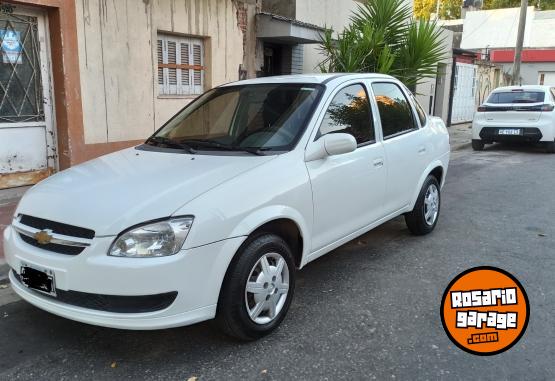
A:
{"x": 349, "y": 112}
{"x": 552, "y": 94}
{"x": 265, "y": 116}
{"x": 419, "y": 110}
{"x": 516, "y": 97}
{"x": 395, "y": 110}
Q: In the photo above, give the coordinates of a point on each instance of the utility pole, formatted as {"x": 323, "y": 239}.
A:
{"x": 519, "y": 42}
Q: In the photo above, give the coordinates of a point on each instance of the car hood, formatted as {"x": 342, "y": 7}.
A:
{"x": 119, "y": 190}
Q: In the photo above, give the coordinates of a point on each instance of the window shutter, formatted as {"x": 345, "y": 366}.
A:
{"x": 185, "y": 73}
{"x": 197, "y": 73}
{"x": 172, "y": 72}
{"x": 160, "y": 51}
{"x": 175, "y": 54}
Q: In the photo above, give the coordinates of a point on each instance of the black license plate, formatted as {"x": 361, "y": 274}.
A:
{"x": 37, "y": 280}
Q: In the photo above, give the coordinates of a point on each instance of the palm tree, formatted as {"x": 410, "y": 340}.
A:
{"x": 383, "y": 37}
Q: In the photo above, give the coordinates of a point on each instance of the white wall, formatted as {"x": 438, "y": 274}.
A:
{"x": 326, "y": 13}
{"x": 498, "y": 29}
{"x": 426, "y": 90}
{"x": 329, "y": 13}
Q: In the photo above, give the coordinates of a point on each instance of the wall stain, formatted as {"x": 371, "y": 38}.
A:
{"x": 86, "y": 22}
{"x": 189, "y": 13}
{"x": 116, "y": 13}
{"x": 197, "y": 16}
{"x": 172, "y": 15}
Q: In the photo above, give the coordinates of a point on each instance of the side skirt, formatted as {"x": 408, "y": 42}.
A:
{"x": 326, "y": 249}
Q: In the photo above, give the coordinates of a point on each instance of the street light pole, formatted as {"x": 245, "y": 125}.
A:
{"x": 519, "y": 42}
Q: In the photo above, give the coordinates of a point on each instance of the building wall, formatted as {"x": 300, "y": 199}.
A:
{"x": 495, "y": 28}
{"x": 426, "y": 90}
{"x": 489, "y": 76}
{"x": 118, "y": 59}
{"x": 331, "y": 14}
{"x": 530, "y": 71}
{"x": 498, "y": 29}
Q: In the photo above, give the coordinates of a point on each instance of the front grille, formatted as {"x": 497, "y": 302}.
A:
{"x": 113, "y": 303}
{"x": 56, "y": 227}
{"x": 62, "y": 234}
{"x": 61, "y": 249}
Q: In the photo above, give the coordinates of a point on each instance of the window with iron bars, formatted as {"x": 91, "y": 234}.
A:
{"x": 180, "y": 65}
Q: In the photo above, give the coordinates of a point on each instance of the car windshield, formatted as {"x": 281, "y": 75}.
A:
{"x": 252, "y": 118}
{"x": 517, "y": 97}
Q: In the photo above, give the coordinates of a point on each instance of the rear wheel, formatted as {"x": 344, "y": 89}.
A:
{"x": 423, "y": 218}
{"x": 257, "y": 288}
{"x": 477, "y": 145}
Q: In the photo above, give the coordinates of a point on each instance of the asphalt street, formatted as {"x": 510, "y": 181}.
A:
{"x": 368, "y": 310}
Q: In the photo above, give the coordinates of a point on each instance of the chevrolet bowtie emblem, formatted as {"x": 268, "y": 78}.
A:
{"x": 44, "y": 237}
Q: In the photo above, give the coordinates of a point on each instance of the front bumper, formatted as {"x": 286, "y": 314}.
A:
{"x": 195, "y": 274}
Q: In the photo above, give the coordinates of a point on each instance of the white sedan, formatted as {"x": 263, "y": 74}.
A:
{"x": 516, "y": 114}
{"x": 213, "y": 215}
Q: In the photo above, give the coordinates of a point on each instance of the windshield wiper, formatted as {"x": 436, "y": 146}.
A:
{"x": 170, "y": 143}
{"x": 220, "y": 146}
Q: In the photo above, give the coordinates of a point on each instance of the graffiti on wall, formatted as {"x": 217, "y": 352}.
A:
{"x": 488, "y": 78}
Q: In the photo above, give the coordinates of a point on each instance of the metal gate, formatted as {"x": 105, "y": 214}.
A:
{"x": 27, "y": 142}
{"x": 464, "y": 95}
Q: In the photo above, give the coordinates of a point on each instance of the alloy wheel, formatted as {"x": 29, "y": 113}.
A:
{"x": 431, "y": 204}
{"x": 267, "y": 288}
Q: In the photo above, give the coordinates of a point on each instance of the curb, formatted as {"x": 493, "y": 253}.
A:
{"x": 4, "y": 271}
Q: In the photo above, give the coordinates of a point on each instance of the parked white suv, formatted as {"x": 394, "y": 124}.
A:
{"x": 213, "y": 215}
{"x": 516, "y": 114}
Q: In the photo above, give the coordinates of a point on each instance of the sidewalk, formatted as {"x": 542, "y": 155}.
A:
{"x": 460, "y": 136}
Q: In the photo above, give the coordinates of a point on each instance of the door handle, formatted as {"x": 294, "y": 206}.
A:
{"x": 422, "y": 150}
{"x": 378, "y": 162}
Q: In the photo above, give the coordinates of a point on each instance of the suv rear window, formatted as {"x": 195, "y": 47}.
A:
{"x": 517, "y": 97}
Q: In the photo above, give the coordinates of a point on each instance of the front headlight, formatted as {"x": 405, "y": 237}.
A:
{"x": 156, "y": 239}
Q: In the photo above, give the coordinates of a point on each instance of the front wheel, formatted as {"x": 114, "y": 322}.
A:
{"x": 550, "y": 147}
{"x": 423, "y": 218}
{"x": 257, "y": 289}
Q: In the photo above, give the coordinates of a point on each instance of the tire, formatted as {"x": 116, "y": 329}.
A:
{"x": 550, "y": 147}
{"x": 417, "y": 220}
{"x": 236, "y": 302}
{"x": 477, "y": 145}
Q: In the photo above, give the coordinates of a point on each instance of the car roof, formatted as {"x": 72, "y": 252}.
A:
{"x": 524, "y": 88}
{"x": 315, "y": 78}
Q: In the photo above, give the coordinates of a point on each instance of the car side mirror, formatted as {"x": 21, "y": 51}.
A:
{"x": 330, "y": 145}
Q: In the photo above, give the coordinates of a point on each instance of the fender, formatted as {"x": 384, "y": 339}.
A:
{"x": 271, "y": 213}
{"x": 436, "y": 163}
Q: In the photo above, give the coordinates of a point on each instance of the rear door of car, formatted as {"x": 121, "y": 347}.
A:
{"x": 407, "y": 147}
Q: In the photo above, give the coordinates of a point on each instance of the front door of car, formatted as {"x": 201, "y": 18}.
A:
{"x": 405, "y": 144}
{"x": 348, "y": 189}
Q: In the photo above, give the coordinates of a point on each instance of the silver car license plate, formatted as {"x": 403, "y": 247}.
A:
{"x": 509, "y": 131}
